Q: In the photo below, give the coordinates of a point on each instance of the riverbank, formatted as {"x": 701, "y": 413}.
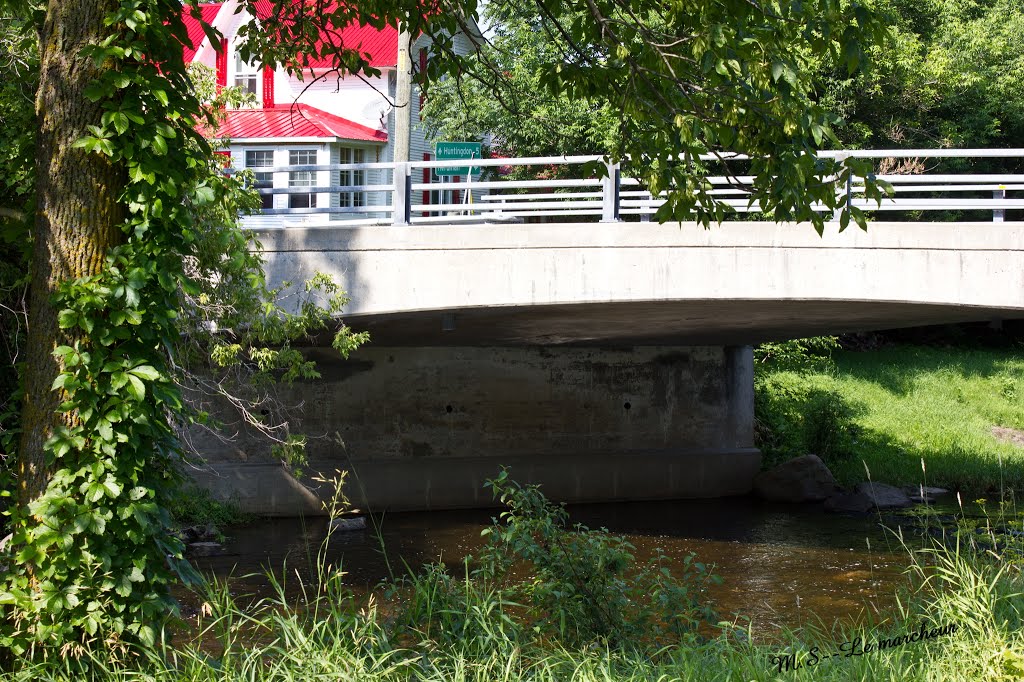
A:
{"x": 584, "y": 610}
{"x": 883, "y": 411}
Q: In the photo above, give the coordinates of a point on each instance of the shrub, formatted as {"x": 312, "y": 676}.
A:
{"x": 811, "y": 354}
{"x": 796, "y": 417}
{"x": 540, "y": 580}
{"x": 195, "y": 506}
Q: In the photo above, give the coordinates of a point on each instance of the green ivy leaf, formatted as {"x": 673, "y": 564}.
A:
{"x": 146, "y": 372}
{"x": 136, "y": 388}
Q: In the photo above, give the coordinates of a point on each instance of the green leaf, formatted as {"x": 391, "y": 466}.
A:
{"x": 67, "y": 319}
{"x": 120, "y": 122}
{"x": 204, "y": 195}
{"x": 159, "y": 145}
{"x": 778, "y": 68}
{"x": 146, "y": 372}
{"x": 136, "y": 388}
{"x": 112, "y": 486}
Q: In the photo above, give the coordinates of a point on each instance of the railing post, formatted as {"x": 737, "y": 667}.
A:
{"x": 401, "y": 196}
{"x": 998, "y": 214}
{"x": 611, "y": 188}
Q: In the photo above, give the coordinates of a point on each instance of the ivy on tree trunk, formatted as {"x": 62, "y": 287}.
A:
{"x": 78, "y": 220}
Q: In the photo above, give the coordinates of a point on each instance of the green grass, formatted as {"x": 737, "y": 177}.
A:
{"x": 475, "y": 625}
{"x": 911, "y": 403}
{"x": 330, "y": 637}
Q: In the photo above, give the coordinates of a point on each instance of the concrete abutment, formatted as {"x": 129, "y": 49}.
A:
{"x": 425, "y": 427}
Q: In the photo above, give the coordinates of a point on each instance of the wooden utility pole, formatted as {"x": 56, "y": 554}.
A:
{"x": 403, "y": 95}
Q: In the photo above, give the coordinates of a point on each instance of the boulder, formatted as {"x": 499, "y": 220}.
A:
{"x": 804, "y": 479}
{"x": 205, "y": 548}
{"x": 350, "y": 524}
{"x": 849, "y": 503}
{"x": 883, "y": 495}
{"x": 923, "y": 494}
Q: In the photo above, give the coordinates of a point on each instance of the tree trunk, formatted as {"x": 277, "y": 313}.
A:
{"x": 79, "y": 214}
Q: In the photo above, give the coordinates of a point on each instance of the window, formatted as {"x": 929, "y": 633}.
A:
{"x": 352, "y": 177}
{"x": 302, "y": 178}
{"x": 262, "y": 158}
{"x": 245, "y": 74}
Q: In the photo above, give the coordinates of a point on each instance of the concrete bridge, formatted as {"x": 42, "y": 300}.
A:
{"x": 606, "y": 360}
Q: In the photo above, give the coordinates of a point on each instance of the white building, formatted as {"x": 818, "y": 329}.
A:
{"x": 323, "y": 118}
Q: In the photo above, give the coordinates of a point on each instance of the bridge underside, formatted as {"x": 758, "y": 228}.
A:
{"x": 606, "y": 361}
{"x": 665, "y": 322}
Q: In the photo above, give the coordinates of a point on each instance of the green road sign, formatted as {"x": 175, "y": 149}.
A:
{"x": 447, "y": 151}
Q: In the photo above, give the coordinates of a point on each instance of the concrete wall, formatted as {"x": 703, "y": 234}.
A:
{"x": 735, "y": 284}
{"x": 423, "y": 428}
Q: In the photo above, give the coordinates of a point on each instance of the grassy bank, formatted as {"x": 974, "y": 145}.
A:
{"x": 891, "y": 408}
{"x": 555, "y": 618}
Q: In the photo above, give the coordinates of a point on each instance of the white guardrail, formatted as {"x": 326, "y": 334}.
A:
{"x": 396, "y": 198}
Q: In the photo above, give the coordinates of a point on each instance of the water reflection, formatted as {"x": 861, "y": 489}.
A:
{"x": 780, "y": 564}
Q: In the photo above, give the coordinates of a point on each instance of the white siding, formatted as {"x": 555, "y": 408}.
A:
{"x": 367, "y": 102}
{"x": 349, "y": 97}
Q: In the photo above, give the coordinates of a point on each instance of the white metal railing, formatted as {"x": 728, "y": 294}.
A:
{"x": 396, "y": 198}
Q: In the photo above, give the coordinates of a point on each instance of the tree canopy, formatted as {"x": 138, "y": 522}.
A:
{"x": 951, "y": 75}
{"x": 677, "y": 81}
{"x": 946, "y": 74}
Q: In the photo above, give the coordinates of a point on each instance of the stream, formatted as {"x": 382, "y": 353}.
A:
{"x": 781, "y": 565}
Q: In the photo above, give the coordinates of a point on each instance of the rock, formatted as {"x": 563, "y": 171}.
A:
{"x": 346, "y": 525}
{"x": 915, "y": 492}
{"x": 804, "y": 479}
{"x": 205, "y": 548}
{"x": 883, "y": 495}
{"x": 849, "y": 502}
{"x": 193, "y": 534}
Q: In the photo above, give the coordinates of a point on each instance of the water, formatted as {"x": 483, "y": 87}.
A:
{"x": 782, "y": 565}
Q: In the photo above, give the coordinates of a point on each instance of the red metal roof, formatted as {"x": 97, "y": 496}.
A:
{"x": 381, "y": 45}
{"x": 298, "y": 120}
{"x": 196, "y": 35}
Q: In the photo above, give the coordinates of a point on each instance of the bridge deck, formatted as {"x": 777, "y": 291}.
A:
{"x": 647, "y": 283}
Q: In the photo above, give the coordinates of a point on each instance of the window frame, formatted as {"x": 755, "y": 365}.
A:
{"x": 248, "y": 71}
{"x": 263, "y": 180}
{"x": 351, "y": 177}
{"x": 307, "y": 179}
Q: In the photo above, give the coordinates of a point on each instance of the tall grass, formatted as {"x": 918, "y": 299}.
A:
{"x": 466, "y": 625}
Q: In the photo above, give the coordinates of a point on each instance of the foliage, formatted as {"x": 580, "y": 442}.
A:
{"x": 683, "y": 80}
{"x": 18, "y": 78}
{"x": 91, "y": 558}
{"x": 951, "y": 76}
{"x": 515, "y": 113}
{"x": 19, "y": 64}
{"x": 194, "y": 506}
{"x": 795, "y": 417}
{"x": 580, "y": 585}
{"x": 814, "y": 353}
